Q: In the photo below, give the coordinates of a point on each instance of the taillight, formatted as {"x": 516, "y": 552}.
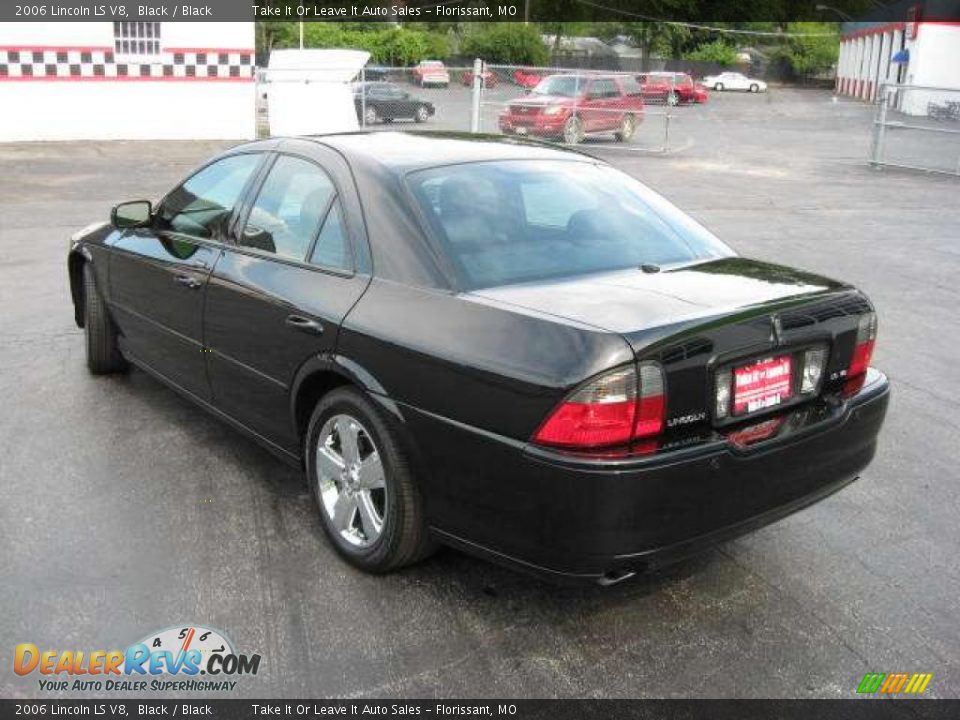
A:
{"x": 866, "y": 337}
{"x": 612, "y": 409}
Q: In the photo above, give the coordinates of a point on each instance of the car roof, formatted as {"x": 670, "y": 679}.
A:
{"x": 406, "y": 151}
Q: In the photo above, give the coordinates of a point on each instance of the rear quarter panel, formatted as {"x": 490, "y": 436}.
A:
{"x": 472, "y": 362}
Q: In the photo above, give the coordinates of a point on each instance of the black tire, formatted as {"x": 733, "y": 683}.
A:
{"x": 718, "y": 87}
{"x": 403, "y": 539}
{"x": 673, "y": 99}
{"x": 754, "y": 88}
{"x": 422, "y": 114}
{"x": 103, "y": 355}
{"x": 370, "y": 115}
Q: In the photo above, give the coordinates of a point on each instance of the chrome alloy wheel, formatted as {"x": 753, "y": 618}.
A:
{"x": 351, "y": 481}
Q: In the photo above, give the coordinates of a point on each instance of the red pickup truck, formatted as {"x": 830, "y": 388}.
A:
{"x": 573, "y": 106}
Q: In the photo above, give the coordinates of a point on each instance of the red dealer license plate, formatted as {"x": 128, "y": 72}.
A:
{"x": 762, "y": 385}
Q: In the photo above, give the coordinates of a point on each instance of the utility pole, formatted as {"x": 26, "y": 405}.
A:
{"x": 301, "y": 34}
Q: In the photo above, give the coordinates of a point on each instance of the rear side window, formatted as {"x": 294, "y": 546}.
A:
{"x": 631, "y": 87}
{"x": 202, "y": 206}
{"x": 518, "y": 221}
{"x": 332, "y": 248}
{"x": 604, "y": 89}
{"x": 286, "y": 215}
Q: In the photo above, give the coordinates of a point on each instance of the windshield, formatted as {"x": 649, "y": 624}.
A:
{"x": 518, "y": 221}
{"x": 562, "y": 85}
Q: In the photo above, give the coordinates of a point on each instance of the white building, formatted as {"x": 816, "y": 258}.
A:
{"x": 911, "y": 52}
{"x": 126, "y": 80}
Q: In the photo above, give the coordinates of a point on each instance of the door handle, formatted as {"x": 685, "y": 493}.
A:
{"x": 188, "y": 281}
{"x": 303, "y": 324}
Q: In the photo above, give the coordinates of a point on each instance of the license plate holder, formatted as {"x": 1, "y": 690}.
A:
{"x": 762, "y": 384}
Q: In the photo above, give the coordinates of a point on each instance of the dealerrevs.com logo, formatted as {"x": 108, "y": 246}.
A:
{"x": 177, "y": 659}
{"x": 894, "y": 683}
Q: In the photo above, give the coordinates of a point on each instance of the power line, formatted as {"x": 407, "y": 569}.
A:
{"x": 701, "y": 27}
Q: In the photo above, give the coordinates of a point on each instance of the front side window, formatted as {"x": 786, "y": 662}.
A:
{"x": 202, "y": 206}
{"x": 519, "y": 221}
{"x": 561, "y": 85}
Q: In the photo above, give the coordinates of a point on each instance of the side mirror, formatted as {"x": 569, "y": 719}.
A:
{"x": 135, "y": 213}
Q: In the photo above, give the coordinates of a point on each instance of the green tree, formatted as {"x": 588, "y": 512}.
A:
{"x": 510, "y": 43}
{"x": 717, "y": 51}
{"x": 813, "y": 54}
{"x": 387, "y": 44}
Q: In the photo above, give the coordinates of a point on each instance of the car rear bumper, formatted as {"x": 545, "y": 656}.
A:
{"x": 579, "y": 519}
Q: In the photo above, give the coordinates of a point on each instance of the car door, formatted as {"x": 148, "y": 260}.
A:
{"x": 591, "y": 106}
{"x": 296, "y": 265}
{"x": 158, "y": 273}
{"x": 607, "y": 105}
{"x": 738, "y": 81}
{"x": 376, "y": 98}
{"x": 404, "y": 104}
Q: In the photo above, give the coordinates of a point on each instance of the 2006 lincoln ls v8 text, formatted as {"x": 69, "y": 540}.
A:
{"x": 509, "y": 348}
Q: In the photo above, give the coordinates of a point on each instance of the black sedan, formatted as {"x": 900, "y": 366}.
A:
{"x": 383, "y": 101}
{"x": 511, "y": 349}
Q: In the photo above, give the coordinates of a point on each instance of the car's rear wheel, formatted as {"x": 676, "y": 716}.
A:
{"x": 673, "y": 98}
{"x": 363, "y": 482}
{"x": 718, "y": 87}
{"x": 370, "y": 116}
{"x": 422, "y": 114}
{"x": 627, "y": 127}
{"x": 573, "y": 130}
{"x": 754, "y": 88}
{"x": 103, "y": 354}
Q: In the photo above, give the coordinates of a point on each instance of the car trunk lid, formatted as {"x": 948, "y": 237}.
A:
{"x": 698, "y": 318}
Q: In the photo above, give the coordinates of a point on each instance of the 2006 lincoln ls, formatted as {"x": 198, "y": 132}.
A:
{"x": 513, "y": 349}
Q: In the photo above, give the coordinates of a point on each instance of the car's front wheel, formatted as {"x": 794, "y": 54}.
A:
{"x": 627, "y": 127}
{"x": 422, "y": 114}
{"x": 754, "y": 88}
{"x": 573, "y": 130}
{"x": 103, "y": 354}
{"x": 673, "y": 99}
{"x": 718, "y": 87}
{"x": 363, "y": 482}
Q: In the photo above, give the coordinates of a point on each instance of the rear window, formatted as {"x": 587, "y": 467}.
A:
{"x": 508, "y": 222}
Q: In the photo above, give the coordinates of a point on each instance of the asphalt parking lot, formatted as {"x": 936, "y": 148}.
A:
{"x": 125, "y": 509}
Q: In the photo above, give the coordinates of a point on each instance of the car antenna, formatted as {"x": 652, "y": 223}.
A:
{"x": 650, "y": 268}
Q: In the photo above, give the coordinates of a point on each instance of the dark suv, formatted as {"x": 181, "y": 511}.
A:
{"x": 572, "y": 106}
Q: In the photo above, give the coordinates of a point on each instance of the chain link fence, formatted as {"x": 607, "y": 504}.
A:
{"x": 917, "y": 127}
{"x": 627, "y": 110}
